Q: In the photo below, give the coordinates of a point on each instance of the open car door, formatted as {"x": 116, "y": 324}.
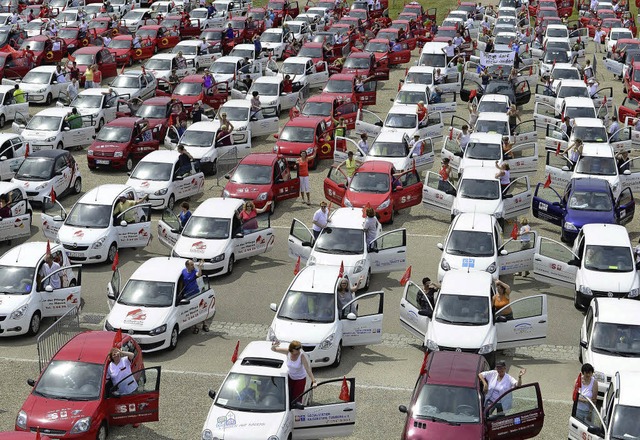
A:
{"x": 451, "y": 149}
{"x": 368, "y": 96}
{"x": 529, "y": 73}
{"x": 446, "y": 104}
{"x": 113, "y": 288}
{"x": 335, "y": 185}
{"x": 525, "y": 131}
{"x": 547, "y": 205}
{"x": 603, "y": 97}
{"x": 18, "y": 224}
{"x": 389, "y": 252}
{"x": 614, "y": 66}
{"x": 318, "y": 75}
{"x": 544, "y": 114}
{"x": 470, "y": 89}
{"x": 551, "y": 263}
{"x": 622, "y": 140}
{"x": 545, "y": 95}
{"x": 143, "y": 405}
{"x": 523, "y": 92}
{"x": 169, "y": 228}
{"x": 413, "y": 300}
{"x": 438, "y": 195}
{"x": 368, "y": 122}
{"x": 517, "y": 415}
{"x": 522, "y": 323}
{"x": 56, "y": 302}
{"x": 365, "y": 326}
{"x": 625, "y": 206}
{"x": 524, "y": 159}
{"x": 399, "y": 57}
{"x": 433, "y": 129}
{"x": 517, "y": 197}
{"x": 555, "y": 139}
{"x": 519, "y": 256}
{"x": 340, "y": 153}
{"x": 422, "y": 154}
{"x": 630, "y": 178}
{"x": 558, "y": 168}
{"x": 52, "y": 222}
{"x": 300, "y": 241}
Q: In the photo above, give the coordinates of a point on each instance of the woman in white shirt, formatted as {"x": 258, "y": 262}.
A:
{"x": 497, "y": 382}
{"x": 120, "y": 368}
{"x": 298, "y": 366}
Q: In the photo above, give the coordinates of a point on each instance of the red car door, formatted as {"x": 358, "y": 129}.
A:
{"x": 400, "y": 57}
{"x": 335, "y": 185}
{"x": 142, "y": 405}
{"x": 348, "y": 111}
{"x": 628, "y": 109}
{"x": 411, "y": 192}
{"x": 285, "y": 185}
{"x": 368, "y": 96}
{"x": 217, "y": 95}
{"x": 107, "y": 63}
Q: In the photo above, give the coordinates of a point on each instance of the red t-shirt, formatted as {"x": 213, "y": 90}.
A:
{"x": 422, "y": 112}
{"x": 97, "y": 77}
{"x": 287, "y": 87}
{"x": 303, "y": 168}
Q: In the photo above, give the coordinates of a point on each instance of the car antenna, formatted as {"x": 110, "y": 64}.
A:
{"x": 473, "y": 220}
{"x": 313, "y": 279}
{"x": 18, "y": 256}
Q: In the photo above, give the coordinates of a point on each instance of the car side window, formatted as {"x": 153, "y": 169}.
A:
{"x": 588, "y": 323}
{"x": 60, "y": 165}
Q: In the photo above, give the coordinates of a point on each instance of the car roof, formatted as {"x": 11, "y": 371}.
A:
{"x": 454, "y": 368}
{"x": 163, "y": 269}
{"x": 55, "y": 111}
{"x": 578, "y": 101}
{"x": 413, "y": 87}
{"x": 489, "y": 138}
{"x": 618, "y": 310}
{"x": 301, "y": 60}
{"x": 597, "y": 149}
{"x": 49, "y": 153}
{"x": 557, "y": 26}
{"x": 390, "y": 136}
{"x": 493, "y": 116}
{"x": 310, "y": 121}
{"x": 259, "y": 159}
{"x": 158, "y": 100}
{"x": 320, "y": 278}
{"x": 572, "y": 83}
{"x": 350, "y": 218}
{"x": 87, "y": 49}
{"x": 218, "y": 207}
{"x": 604, "y": 234}
{"x": 472, "y": 283}
{"x": 127, "y": 121}
{"x": 481, "y": 173}
{"x": 244, "y": 46}
{"x": 343, "y": 76}
{"x": 26, "y": 254}
{"x": 190, "y": 43}
{"x": 268, "y": 80}
{"x": 588, "y": 122}
{"x": 629, "y": 386}
{"x": 375, "y": 166}
{"x": 589, "y": 184}
{"x": 228, "y": 59}
{"x": 8, "y": 135}
{"x": 232, "y": 102}
{"x": 402, "y": 109}
{"x": 162, "y": 156}
{"x": 104, "y": 194}
{"x": 494, "y": 97}
{"x": 95, "y": 91}
{"x": 48, "y": 69}
{"x": 208, "y": 126}
{"x": 90, "y": 346}
{"x": 468, "y": 221}
{"x": 164, "y": 56}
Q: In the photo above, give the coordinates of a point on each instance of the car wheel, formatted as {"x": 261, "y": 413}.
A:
{"x": 102, "y": 432}
{"x": 60, "y": 146}
{"x": 49, "y": 99}
{"x": 197, "y": 67}
{"x": 111, "y": 254}
{"x": 577, "y": 303}
{"x": 393, "y": 214}
{"x": 171, "y": 202}
{"x": 338, "y": 358}
{"x": 2, "y": 120}
{"x": 34, "y": 324}
{"x": 173, "y": 342}
{"x": 129, "y": 163}
{"x": 77, "y": 186}
{"x": 278, "y": 111}
{"x": 230, "y": 265}
{"x": 155, "y": 50}
{"x": 100, "y": 125}
{"x": 367, "y": 283}
{"x": 272, "y": 208}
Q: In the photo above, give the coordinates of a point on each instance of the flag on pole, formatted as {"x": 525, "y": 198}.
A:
{"x": 48, "y": 251}
{"x": 406, "y": 277}
{"x": 472, "y": 94}
{"x": 423, "y": 367}
{"x": 234, "y": 356}
{"x": 576, "y": 387}
{"x": 341, "y": 272}
{"x": 547, "y": 182}
{"x": 26, "y": 150}
{"x": 514, "y": 231}
{"x": 117, "y": 339}
{"x": 296, "y": 269}
{"x": 52, "y": 195}
{"x": 558, "y": 147}
{"x": 344, "y": 390}
{"x": 116, "y": 260}
{"x": 38, "y": 433}
{"x": 451, "y": 133}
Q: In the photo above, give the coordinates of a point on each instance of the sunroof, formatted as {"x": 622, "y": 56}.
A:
{"x": 262, "y": 362}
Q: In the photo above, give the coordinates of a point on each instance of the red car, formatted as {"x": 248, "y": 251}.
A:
{"x": 632, "y": 81}
{"x": 546, "y": 13}
{"x": 329, "y": 108}
{"x": 13, "y": 435}
{"x": 120, "y": 143}
{"x": 70, "y": 35}
{"x": 217, "y": 38}
{"x": 188, "y": 27}
{"x": 309, "y": 134}
{"x": 415, "y": 7}
{"x": 61, "y": 406}
{"x": 121, "y": 46}
{"x": 450, "y": 388}
{"x": 160, "y": 36}
{"x": 190, "y": 91}
{"x": 384, "y": 55}
{"x": 606, "y": 25}
{"x": 393, "y": 34}
{"x": 87, "y": 56}
{"x": 282, "y": 8}
{"x": 343, "y": 86}
{"x": 262, "y": 178}
{"x": 372, "y": 185}
{"x": 13, "y": 65}
{"x": 626, "y": 44}
{"x": 363, "y": 15}
{"x": 316, "y": 52}
{"x": 158, "y": 111}
{"x": 364, "y": 63}
{"x": 245, "y": 27}
{"x": 42, "y": 47}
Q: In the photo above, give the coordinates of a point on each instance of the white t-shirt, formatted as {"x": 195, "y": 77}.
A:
{"x": 320, "y": 217}
{"x": 450, "y": 50}
{"x": 118, "y": 372}
{"x": 54, "y": 281}
{"x": 296, "y": 368}
{"x": 370, "y": 228}
{"x": 497, "y": 387}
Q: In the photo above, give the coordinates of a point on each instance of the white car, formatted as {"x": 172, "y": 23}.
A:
{"x": 45, "y": 171}
{"x": 273, "y": 40}
{"x": 96, "y": 105}
{"x": 411, "y": 94}
{"x": 191, "y": 51}
{"x": 156, "y": 176}
{"x": 310, "y": 313}
{"x": 12, "y": 151}
{"x": 474, "y": 243}
{"x": 302, "y": 71}
{"x": 343, "y": 242}
{"x": 616, "y": 34}
{"x": 92, "y": 233}
{"x": 572, "y": 108}
{"x": 135, "y": 18}
{"x": 9, "y": 109}
{"x": 478, "y": 190}
{"x": 556, "y": 31}
{"x": 601, "y": 263}
{"x": 271, "y": 95}
{"x": 134, "y": 84}
{"x": 239, "y": 114}
{"x": 48, "y": 130}
{"x": 162, "y": 7}
{"x": 400, "y": 119}
{"x": 462, "y": 318}
{"x": 39, "y": 84}
{"x": 152, "y": 304}
{"x": 27, "y": 298}
{"x": 564, "y": 88}
{"x": 200, "y": 17}
{"x": 425, "y": 75}
{"x": 215, "y": 234}
{"x": 300, "y": 29}
{"x": 18, "y": 224}
{"x": 231, "y": 69}
{"x": 248, "y": 52}
{"x": 161, "y": 65}
{"x": 257, "y": 390}
{"x": 493, "y": 103}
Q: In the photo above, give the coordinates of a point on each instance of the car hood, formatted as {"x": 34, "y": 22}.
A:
{"x": 8, "y": 303}
{"x": 399, "y": 163}
{"x": 580, "y": 217}
{"x": 136, "y": 317}
{"x": 359, "y": 199}
{"x": 197, "y": 248}
{"x": 27, "y": 87}
{"x": 199, "y": 152}
{"x": 477, "y": 263}
{"x": 81, "y": 236}
{"x": 429, "y": 430}
{"x": 460, "y": 336}
{"x": 349, "y": 261}
{"x": 109, "y": 147}
{"x": 306, "y": 332}
{"x": 85, "y": 111}
{"x": 240, "y": 425}
{"x": 132, "y": 91}
{"x": 38, "y": 135}
{"x": 609, "y": 363}
{"x": 608, "y": 281}
{"x": 270, "y": 45}
{"x": 57, "y": 414}
{"x": 143, "y": 187}
{"x": 244, "y": 191}
{"x": 223, "y": 77}
{"x": 479, "y": 206}
{"x": 292, "y": 148}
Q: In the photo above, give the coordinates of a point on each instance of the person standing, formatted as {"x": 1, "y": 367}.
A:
{"x": 346, "y": 294}
{"x": 320, "y": 220}
{"x": 504, "y": 174}
{"x": 298, "y": 368}
{"x": 119, "y": 369}
{"x": 444, "y": 182}
{"x": 50, "y": 266}
{"x": 613, "y": 129}
{"x": 430, "y": 289}
{"x": 256, "y": 106}
{"x": 497, "y": 382}
{"x": 74, "y": 72}
{"x": 18, "y": 95}
{"x": 97, "y": 76}
{"x": 598, "y": 39}
{"x": 190, "y": 286}
{"x": 88, "y": 78}
{"x": 363, "y": 144}
{"x": 514, "y": 117}
{"x": 463, "y": 138}
{"x": 587, "y": 387}
{"x": 370, "y": 226}
{"x": 185, "y": 213}
{"x": 184, "y": 161}
{"x": 501, "y": 299}
{"x": 197, "y": 112}
{"x": 72, "y": 89}
{"x": 303, "y": 173}
{"x": 351, "y": 164}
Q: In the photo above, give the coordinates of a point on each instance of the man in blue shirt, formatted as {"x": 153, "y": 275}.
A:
{"x": 229, "y": 34}
{"x": 190, "y": 278}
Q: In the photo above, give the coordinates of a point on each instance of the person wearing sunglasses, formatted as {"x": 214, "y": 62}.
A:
{"x": 298, "y": 366}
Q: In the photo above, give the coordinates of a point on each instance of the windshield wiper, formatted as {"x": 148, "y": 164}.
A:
{"x": 460, "y": 252}
{"x": 448, "y": 321}
{"x": 440, "y": 419}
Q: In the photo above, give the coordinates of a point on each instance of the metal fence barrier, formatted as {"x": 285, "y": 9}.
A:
{"x": 60, "y": 332}
{"x": 225, "y": 163}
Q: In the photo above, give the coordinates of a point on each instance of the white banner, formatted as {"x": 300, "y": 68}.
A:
{"x": 489, "y": 59}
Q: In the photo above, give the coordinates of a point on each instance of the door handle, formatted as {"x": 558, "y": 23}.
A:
{"x": 402, "y": 305}
{"x": 210, "y": 296}
{"x": 542, "y": 321}
{"x": 537, "y": 259}
{"x": 347, "y": 409}
{"x": 574, "y": 426}
{"x": 399, "y": 252}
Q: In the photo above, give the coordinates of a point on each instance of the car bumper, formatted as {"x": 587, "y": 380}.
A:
{"x": 39, "y": 146}
{"x": 36, "y": 196}
{"x": 112, "y": 162}
{"x": 86, "y": 256}
{"x": 584, "y": 300}
{"x": 14, "y": 327}
{"x": 61, "y": 434}
{"x": 209, "y": 268}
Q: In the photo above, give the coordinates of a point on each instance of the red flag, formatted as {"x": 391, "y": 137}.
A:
{"x": 531, "y": 70}
{"x": 117, "y": 339}
{"x": 122, "y": 70}
{"x": 341, "y": 272}
{"x": 406, "y": 277}
{"x": 296, "y": 269}
{"x": 234, "y": 356}
{"x": 576, "y": 387}
{"x": 116, "y": 260}
{"x": 472, "y": 94}
{"x": 514, "y": 231}
{"x": 364, "y": 209}
{"x": 38, "y": 433}
{"x": 26, "y": 150}
{"x": 562, "y": 118}
{"x": 558, "y": 147}
{"x": 399, "y": 85}
{"x": 48, "y": 251}
{"x": 451, "y": 133}
{"x": 423, "y": 367}
{"x": 584, "y": 76}
{"x": 143, "y": 69}
{"x": 547, "y": 182}
{"x": 604, "y": 101}
{"x": 52, "y": 195}
{"x": 579, "y": 40}
{"x": 344, "y": 391}
{"x": 329, "y": 207}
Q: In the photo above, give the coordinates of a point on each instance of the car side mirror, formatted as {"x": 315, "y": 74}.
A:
{"x": 506, "y": 196}
{"x": 575, "y": 262}
{"x": 565, "y": 168}
{"x": 273, "y": 307}
{"x": 440, "y": 246}
{"x": 276, "y": 136}
{"x": 403, "y": 409}
{"x": 297, "y": 405}
{"x": 596, "y": 430}
{"x": 66, "y": 129}
{"x": 111, "y": 296}
{"x": 426, "y": 312}
{"x": 3, "y": 158}
{"x": 501, "y": 318}
{"x": 48, "y": 288}
{"x": 352, "y": 316}
{"x": 626, "y": 173}
{"x": 212, "y": 394}
{"x": 583, "y": 344}
{"x": 123, "y": 223}
{"x": 184, "y": 302}
{"x": 342, "y": 185}
{"x": 226, "y": 176}
{"x": 31, "y": 382}
{"x": 239, "y": 235}
{"x": 21, "y": 126}
{"x": 58, "y": 218}
{"x": 504, "y": 252}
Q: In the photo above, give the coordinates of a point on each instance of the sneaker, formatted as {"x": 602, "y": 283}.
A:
{"x": 196, "y": 330}
{"x": 205, "y": 328}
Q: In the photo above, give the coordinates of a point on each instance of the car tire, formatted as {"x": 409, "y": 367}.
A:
{"x": 173, "y": 339}
{"x": 155, "y": 49}
{"x": 100, "y": 125}
{"x": 230, "y": 265}
{"x": 49, "y": 99}
{"x": 197, "y": 67}
{"x": 272, "y": 208}
{"x": 393, "y": 214}
{"x": 577, "y": 303}
{"x": 129, "y": 164}
{"x": 103, "y": 432}
{"x": 111, "y": 253}
{"x": 60, "y": 146}
{"x": 278, "y": 110}
{"x": 34, "y": 324}
{"x": 171, "y": 202}
{"x": 77, "y": 186}
{"x": 2, "y": 121}
{"x": 338, "y": 359}
{"x": 367, "y": 282}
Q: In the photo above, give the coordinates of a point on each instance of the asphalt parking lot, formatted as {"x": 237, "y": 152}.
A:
{"x": 385, "y": 373}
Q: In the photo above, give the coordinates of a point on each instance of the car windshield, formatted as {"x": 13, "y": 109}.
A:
{"x": 115, "y": 134}
{"x": 271, "y": 37}
{"x": 215, "y": 36}
{"x": 37, "y": 46}
{"x": 293, "y": 68}
{"x": 395, "y": 120}
{"x": 492, "y": 106}
{"x": 340, "y": 241}
{"x": 158, "y": 64}
{"x": 36, "y": 77}
{"x": 462, "y": 309}
{"x": 444, "y": 404}
{"x": 195, "y": 138}
{"x": 317, "y": 109}
{"x": 242, "y": 53}
{"x": 157, "y": 171}
{"x": 223, "y": 68}
{"x": 573, "y": 91}
{"x": 596, "y": 165}
{"x": 199, "y": 13}
{"x": 419, "y": 78}
{"x": 502, "y": 39}
{"x": 590, "y": 201}
{"x": 266, "y": 89}
{"x": 377, "y": 183}
{"x": 85, "y": 59}
{"x": 207, "y": 228}
{"x": 311, "y": 52}
{"x": 68, "y": 33}
{"x": 565, "y": 74}
{"x": 49, "y": 123}
{"x": 624, "y": 425}
{"x": 16, "y": 280}
{"x": 126, "y": 82}
{"x": 251, "y": 393}
{"x": 87, "y": 101}
{"x": 557, "y": 56}
{"x": 339, "y": 86}
{"x": 557, "y": 33}
{"x": 119, "y": 44}
{"x": 85, "y": 215}
{"x": 234, "y": 113}
{"x": 580, "y": 112}
{"x": 252, "y": 174}
{"x": 616, "y": 339}
{"x": 146, "y": 293}
{"x": 357, "y": 63}
{"x": 609, "y": 259}
{"x": 377, "y": 47}
{"x": 35, "y": 168}
{"x": 482, "y": 151}
{"x": 67, "y": 16}
{"x": 590, "y": 134}
{"x": 433, "y": 60}
{"x": 617, "y": 35}
{"x": 407, "y": 97}
{"x": 470, "y": 243}
{"x": 70, "y": 380}
{"x": 492, "y": 126}
{"x": 134, "y": 15}
{"x": 151, "y": 111}
{"x": 389, "y": 149}
{"x": 188, "y": 89}
{"x": 298, "y": 134}
{"x": 308, "y": 307}
{"x": 479, "y": 189}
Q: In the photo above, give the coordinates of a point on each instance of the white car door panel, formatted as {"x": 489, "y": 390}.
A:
{"x": 389, "y": 252}
{"x": 525, "y": 159}
{"x": 519, "y": 256}
{"x": 254, "y": 243}
{"x": 264, "y": 127}
{"x": 413, "y": 300}
{"x": 371, "y": 126}
{"x": 300, "y": 241}
{"x": 544, "y": 114}
{"x": 367, "y": 327}
{"x": 437, "y": 199}
{"x": 529, "y": 323}
{"x": 169, "y": 228}
{"x": 550, "y": 263}
{"x": 631, "y": 178}
{"x": 59, "y": 301}
{"x": 137, "y": 233}
{"x": 517, "y": 197}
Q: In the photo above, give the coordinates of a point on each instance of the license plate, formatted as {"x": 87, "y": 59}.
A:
{"x": 102, "y": 162}
{"x": 74, "y": 254}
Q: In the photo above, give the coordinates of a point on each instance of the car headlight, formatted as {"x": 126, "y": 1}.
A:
{"x": 225, "y": 193}
{"x": 243, "y": 128}
{"x": 21, "y": 420}
{"x": 347, "y": 202}
{"x": 274, "y": 437}
{"x": 444, "y": 265}
{"x": 492, "y": 268}
{"x": 158, "y": 330}
{"x": 431, "y": 345}
{"x": 207, "y": 434}
{"x": 161, "y": 192}
{"x": 359, "y": 266}
{"x": 19, "y": 312}
{"x": 205, "y": 159}
{"x": 262, "y": 196}
{"x": 311, "y": 261}
{"x": 635, "y": 89}
{"x": 217, "y": 258}
{"x": 118, "y": 154}
{"x": 385, "y": 204}
{"x": 39, "y": 187}
{"x": 108, "y": 327}
{"x": 90, "y": 152}
{"x": 271, "y": 335}
{"x": 633, "y": 293}
{"x": 488, "y": 348}
{"x": 615, "y": 187}
{"x": 585, "y": 290}
{"x": 309, "y": 151}
{"x": 81, "y": 425}
{"x": 71, "y": 46}
{"x": 600, "y": 376}
{"x": 297, "y": 84}
{"x": 570, "y": 226}
{"x": 328, "y": 342}
{"x": 98, "y": 243}
{"x": 274, "y": 102}
{"x": 50, "y": 139}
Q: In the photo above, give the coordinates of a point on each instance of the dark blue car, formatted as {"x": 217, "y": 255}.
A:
{"x": 585, "y": 200}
